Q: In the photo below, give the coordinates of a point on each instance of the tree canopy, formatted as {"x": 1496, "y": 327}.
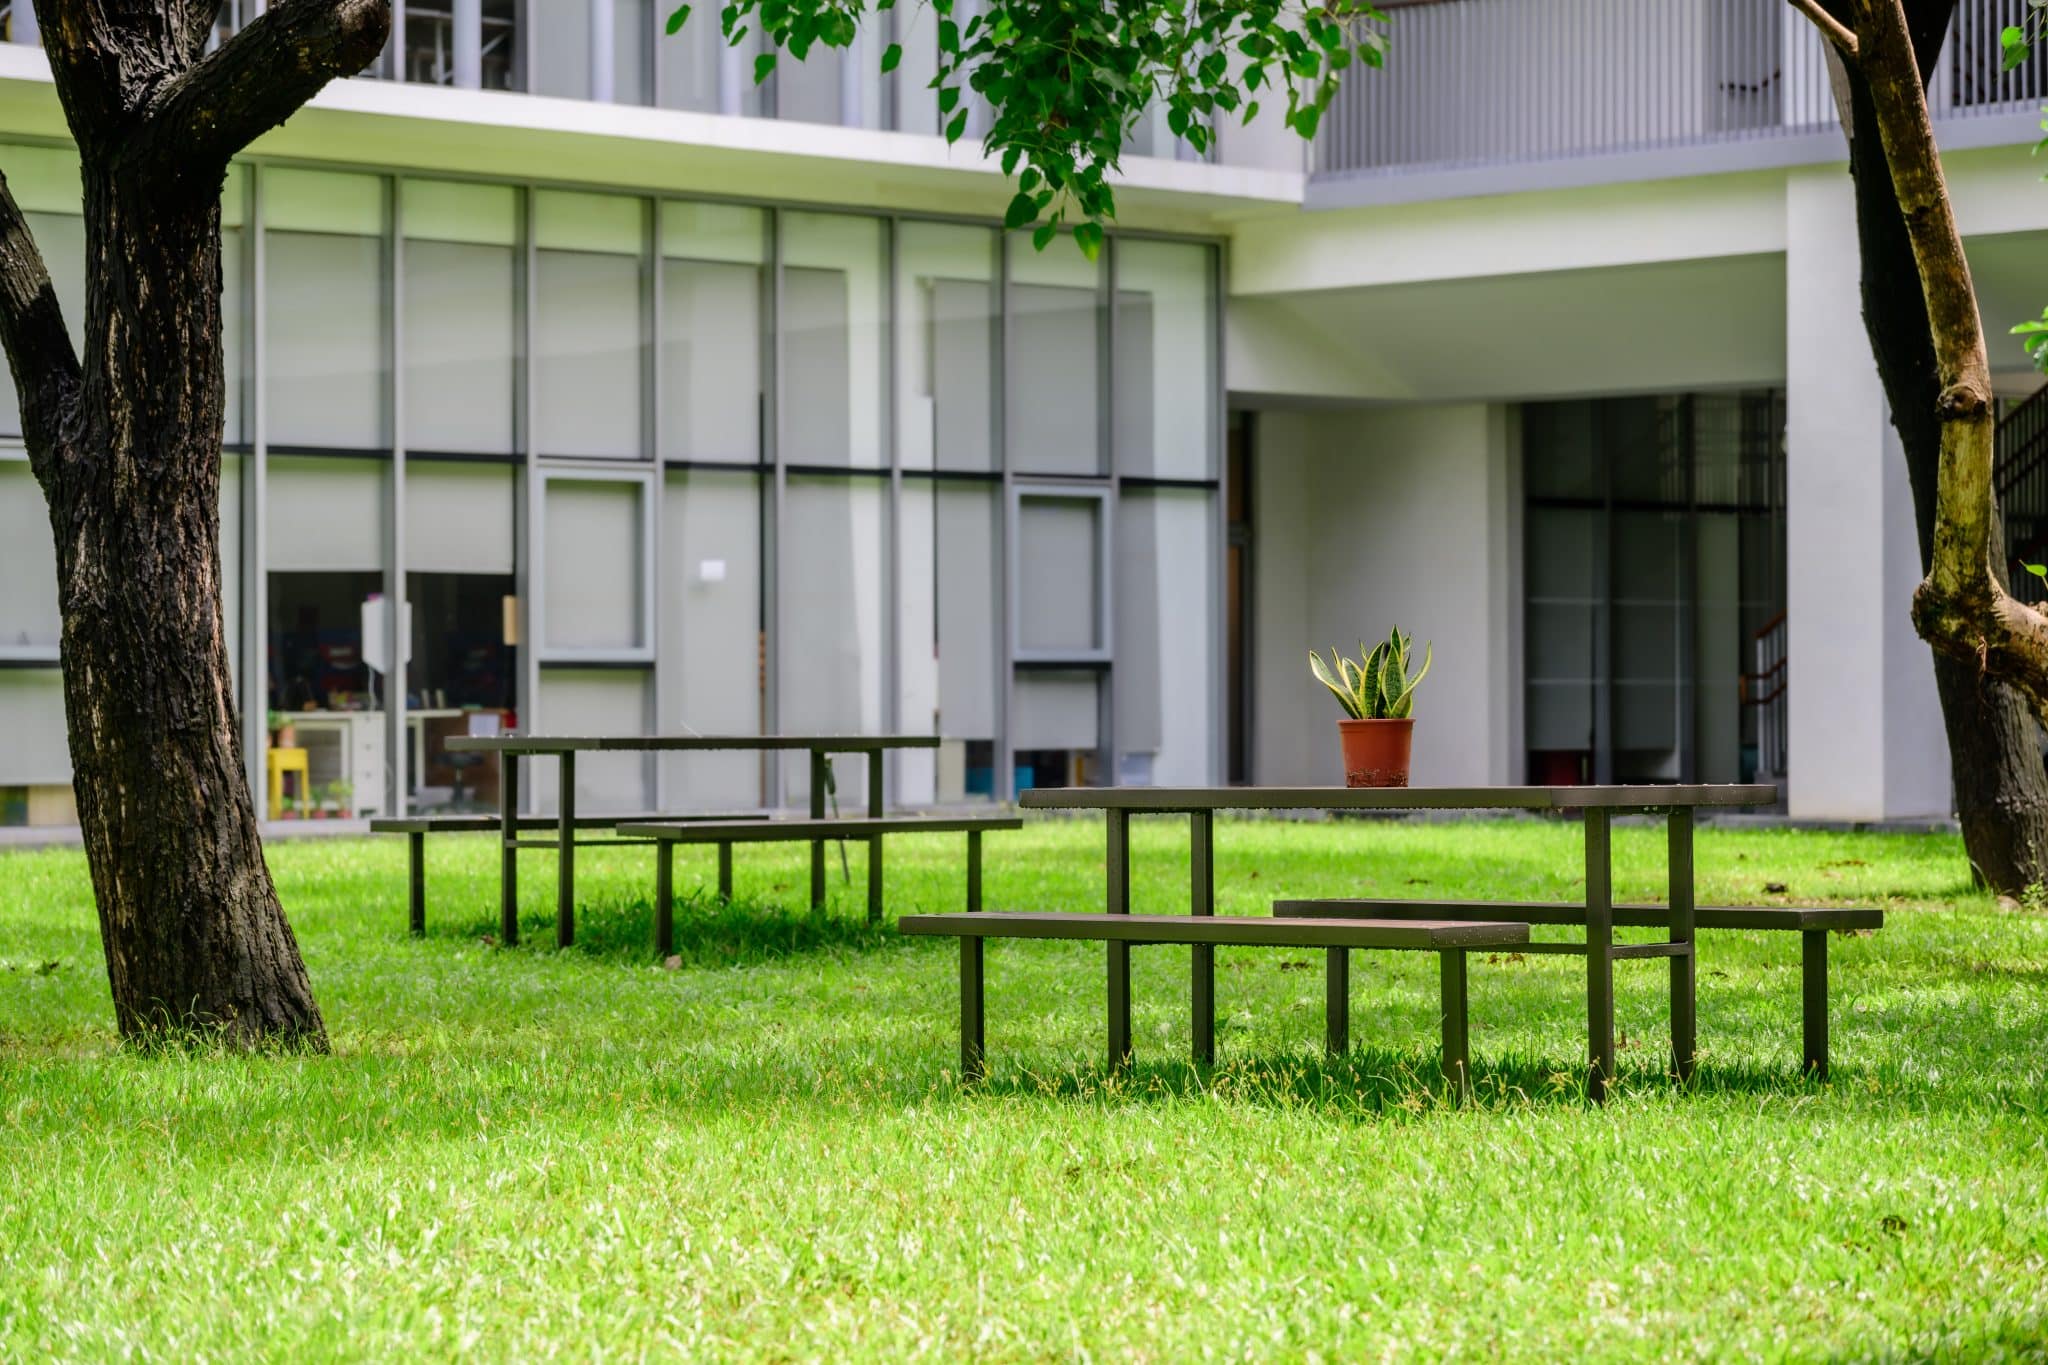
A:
{"x": 1066, "y": 83}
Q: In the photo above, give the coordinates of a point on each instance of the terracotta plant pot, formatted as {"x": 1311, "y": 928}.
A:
{"x": 1376, "y": 751}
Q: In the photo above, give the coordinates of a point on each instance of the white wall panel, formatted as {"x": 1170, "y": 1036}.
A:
{"x": 325, "y": 514}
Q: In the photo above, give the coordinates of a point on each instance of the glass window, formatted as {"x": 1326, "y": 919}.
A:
{"x": 1166, "y": 644}
{"x": 808, "y": 91}
{"x": 916, "y": 104}
{"x": 1060, "y": 577}
{"x": 1055, "y": 360}
{"x": 45, "y": 184}
{"x": 464, "y": 667}
{"x": 34, "y": 748}
{"x": 714, "y": 332}
{"x": 324, "y": 310}
{"x": 1165, "y": 370}
{"x": 948, "y": 637}
{"x": 588, "y": 332}
{"x": 834, "y": 317}
{"x": 461, "y": 323}
{"x": 459, "y": 516}
{"x": 946, "y": 345}
{"x": 710, "y": 670}
{"x": 594, "y": 553}
{"x": 834, "y": 581}
{"x": 29, "y": 619}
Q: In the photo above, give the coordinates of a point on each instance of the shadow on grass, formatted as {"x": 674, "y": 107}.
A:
{"x": 709, "y": 932}
{"x": 1379, "y": 1082}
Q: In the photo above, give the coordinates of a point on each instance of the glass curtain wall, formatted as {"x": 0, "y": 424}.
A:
{"x": 676, "y": 465}
{"x": 1654, "y": 537}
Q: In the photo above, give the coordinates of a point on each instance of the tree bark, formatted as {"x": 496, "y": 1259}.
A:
{"x": 126, "y": 447}
{"x": 1994, "y": 742}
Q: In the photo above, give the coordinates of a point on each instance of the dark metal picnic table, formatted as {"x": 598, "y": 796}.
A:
{"x": 1597, "y": 806}
{"x": 512, "y": 748}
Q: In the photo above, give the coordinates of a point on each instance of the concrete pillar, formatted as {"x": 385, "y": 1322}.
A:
{"x": 603, "y": 48}
{"x": 1864, "y": 722}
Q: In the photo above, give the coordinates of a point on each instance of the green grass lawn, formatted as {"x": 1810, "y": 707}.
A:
{"x": 766, "y": 1154}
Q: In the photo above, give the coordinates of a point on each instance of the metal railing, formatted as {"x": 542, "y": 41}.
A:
{"x": 1492, "y": 82}
{"x": 2021, "y": 481}
{"x": 1764, "y": 691}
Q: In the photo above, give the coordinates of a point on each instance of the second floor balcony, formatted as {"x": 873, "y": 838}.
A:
{"x": 1499, "y": 85}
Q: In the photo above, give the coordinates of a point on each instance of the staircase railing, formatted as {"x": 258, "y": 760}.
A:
{"x": 2021, "y": 480}
{"x": 1764, "y": 691}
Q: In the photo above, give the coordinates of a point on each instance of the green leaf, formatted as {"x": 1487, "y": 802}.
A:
{"x": 1088, "y": 236}
{"x": 1023, "y": 208}
{"x": 2039, "y": 571}
{"x": 763, "y": 65}
{"x": 677, "y": 20}
{"x": 1042, "y": 235}
{"x": 891, "y": 55}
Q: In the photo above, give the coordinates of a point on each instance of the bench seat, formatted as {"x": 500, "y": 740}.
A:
{"x": 667, "y": 834}
{"x": 1449, "y": 939}
{"x": 1812, "y": 923}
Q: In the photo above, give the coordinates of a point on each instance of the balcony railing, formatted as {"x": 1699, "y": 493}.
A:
{"x": 1472, "y": 83}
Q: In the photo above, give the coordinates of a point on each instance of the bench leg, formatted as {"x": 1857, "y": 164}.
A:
{"x": 416, "y": 883}
{"x": 973, "y": 1063}
{"x": 973, "y": 871}
{"x": 1202, "y": 901}
{"x": 508, "y": 852}
{"x": 1813, "y": 980}
{"x": 664, "y": 898}
{"x": 725, "y": 871}
{"x": 1457, "y": 1058}
{"x": 1336, "y": 1001}
{"x": 1119, "y": 1006}
{"x": 875, "y": 880}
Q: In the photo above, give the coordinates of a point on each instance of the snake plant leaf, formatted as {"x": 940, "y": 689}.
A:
{"x": 1322, "y": 672}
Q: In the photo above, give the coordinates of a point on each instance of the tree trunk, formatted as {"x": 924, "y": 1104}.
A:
{"x": 1995, "y": 762}
{"x": 193, "y": 930}
{"x": 127, "y": 449}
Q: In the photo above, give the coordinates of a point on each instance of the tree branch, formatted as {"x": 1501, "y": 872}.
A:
{"x": 46, "y": 373}
{"x": 1833, "y": 29}
{"x": 263, "y": 75}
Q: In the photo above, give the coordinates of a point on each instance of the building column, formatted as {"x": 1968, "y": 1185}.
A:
{"x": 1864, "y": 722}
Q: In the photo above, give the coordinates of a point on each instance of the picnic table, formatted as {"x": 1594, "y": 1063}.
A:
{"x": 1597, "y": 808}
{"x": 512, "y": 749}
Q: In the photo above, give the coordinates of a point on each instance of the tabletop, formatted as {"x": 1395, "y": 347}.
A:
{"x": 577, "y": 744}
{"x": 1161, "y": 800}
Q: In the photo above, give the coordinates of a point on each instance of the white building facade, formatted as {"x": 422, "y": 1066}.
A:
{"x": 665, "y": 402}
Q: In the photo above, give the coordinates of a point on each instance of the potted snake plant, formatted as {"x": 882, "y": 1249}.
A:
{"x": 1378, "y": 697}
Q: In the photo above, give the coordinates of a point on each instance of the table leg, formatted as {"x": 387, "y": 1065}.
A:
{"x": 1457, "y": 1053}
{"x": 1337, "y": 1001}
{"x": 725, "y": 871}
{"x": 664, "y": 897}
{"x": 508, "y": 851}
{"x": 1202, "y": 901}
{"x": 416, "y": 883}
{"x": 1684, "y": 971}
{"x": 820, "y": 762}
{"x": 1813, "y": 997}
{"x": 1599, "y": 952}
{"x": 973, "y": 1060}
{"x": 565, "y": 858}
{"x": 973, "y": 871}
